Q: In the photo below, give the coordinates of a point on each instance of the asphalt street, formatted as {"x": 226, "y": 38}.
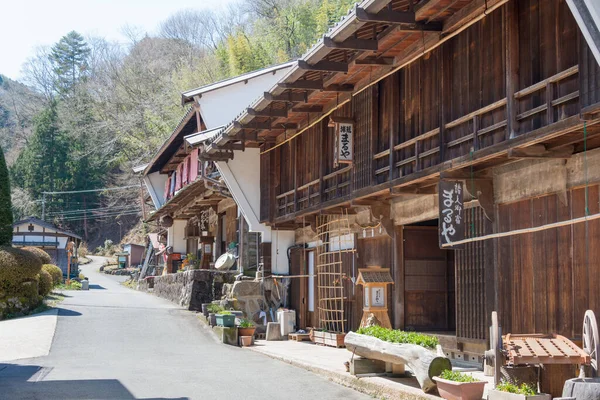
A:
{"x": 112, "y": 342}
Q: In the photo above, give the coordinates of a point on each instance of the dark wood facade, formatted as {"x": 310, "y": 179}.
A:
{"x": 504, "y": 80}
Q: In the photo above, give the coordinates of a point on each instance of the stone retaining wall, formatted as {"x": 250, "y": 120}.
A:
{"x": 191, "y": 288}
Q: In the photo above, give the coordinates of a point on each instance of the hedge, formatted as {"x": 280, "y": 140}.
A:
{"x": 55, "y": 272}
{"x": 44, "y": 283}
{"x": 41, "y": 254}
{"x": 18, "y": 281}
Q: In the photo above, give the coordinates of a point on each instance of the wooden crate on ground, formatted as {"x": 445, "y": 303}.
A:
{"x": 299, "y": 337}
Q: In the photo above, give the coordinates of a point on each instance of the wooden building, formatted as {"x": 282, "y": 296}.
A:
{"x": 501, "y": 95}
{"x": 53, "y": 240}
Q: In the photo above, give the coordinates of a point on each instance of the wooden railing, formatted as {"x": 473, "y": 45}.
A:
{"x": 548, "y": 85}
{"x": 458, "y": 137}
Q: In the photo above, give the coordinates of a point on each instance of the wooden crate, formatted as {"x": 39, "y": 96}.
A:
{"x": 299, "y": 337}
{"x": 328, "y": 338}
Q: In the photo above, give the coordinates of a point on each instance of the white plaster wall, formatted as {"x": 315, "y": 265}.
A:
{"x": 221, "y": 106}
{"x": 175, "y": 236}
{"x": 155, "y": 183}
{"x": 18, "y": 237}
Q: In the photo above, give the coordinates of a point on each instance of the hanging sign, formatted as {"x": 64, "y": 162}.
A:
{"x": 343, "y": 145}
{"x": 451, "y": 218}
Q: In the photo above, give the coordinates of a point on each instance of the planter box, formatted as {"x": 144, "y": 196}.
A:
{"x": 328, "y": 338}
{"x": 498, "y": 395}
{"x": 226, "y": 320}
{"x": 452, "y": 390}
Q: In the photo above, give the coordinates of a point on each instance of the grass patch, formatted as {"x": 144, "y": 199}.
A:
{"x": 457, "y": 376}
{"x": 73, "y": 285}
{"x": 398, "y": 336}
{"x": 524, "y": 388}
{"x": 130, "y": 284}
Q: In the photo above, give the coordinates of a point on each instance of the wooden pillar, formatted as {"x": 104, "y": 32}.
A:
{"x": 399, "y": 277}
{"x": 511, "y": 28}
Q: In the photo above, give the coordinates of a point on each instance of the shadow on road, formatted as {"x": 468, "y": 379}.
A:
{"x": 96, "y": 287}
{"x": 26, "y": 382}
{"x": 63, "y": 312}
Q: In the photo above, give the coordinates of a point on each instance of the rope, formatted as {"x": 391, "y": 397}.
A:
{"x": 585, "y": 168}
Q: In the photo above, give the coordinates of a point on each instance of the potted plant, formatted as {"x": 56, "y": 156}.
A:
{"x": 246, "y": 328}
{"x": 509, "y": 391}
{"x": 213, "y": 310}
{"x": 226, "y": 319}
{"x": 454, "y": 385}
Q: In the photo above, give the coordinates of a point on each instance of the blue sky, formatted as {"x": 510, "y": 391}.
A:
{"x": 27, "y": 24}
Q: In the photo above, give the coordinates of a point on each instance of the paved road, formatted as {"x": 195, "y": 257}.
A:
{"x": 115, "y": 343}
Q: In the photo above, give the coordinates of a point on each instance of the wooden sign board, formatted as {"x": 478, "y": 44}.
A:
{"x": 451, "y": 216}
{"x": 344, "y": 143}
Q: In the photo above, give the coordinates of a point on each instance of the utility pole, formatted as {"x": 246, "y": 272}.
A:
{"x": 43, "y": 206}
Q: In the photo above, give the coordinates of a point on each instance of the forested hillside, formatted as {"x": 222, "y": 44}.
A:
{"x": 93, "y": 109}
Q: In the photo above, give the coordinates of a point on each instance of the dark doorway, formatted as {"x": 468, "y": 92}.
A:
{"x": 429, "y": 287}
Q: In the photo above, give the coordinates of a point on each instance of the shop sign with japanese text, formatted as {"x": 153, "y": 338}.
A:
{"x": 451, "y": 219}
{"x": 343, "y": 153}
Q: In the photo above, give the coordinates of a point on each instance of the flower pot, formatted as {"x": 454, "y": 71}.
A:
{"x": 212, "y": 319}
{"x": 205, "y": 309}
{"x": 246, "y": 341}
{"x": 226, "y": 320}
{"x": 498, "y": 395}
{"x": 246, "y": 331}
{"x": 452, "y": 390}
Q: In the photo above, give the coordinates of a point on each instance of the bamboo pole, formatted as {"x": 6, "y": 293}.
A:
{"x": 525, "y": 230}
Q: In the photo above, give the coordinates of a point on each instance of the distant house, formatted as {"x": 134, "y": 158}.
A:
{"x": 135, "y": 254}
{"x": 44, "y": 235}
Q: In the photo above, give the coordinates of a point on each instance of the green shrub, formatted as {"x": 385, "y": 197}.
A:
{"x": 397, "y": 336}
{"x": 18, "y": 281}
{"x": 17, "y": 265}
{"x": 246, "y": 323}
{"x": 457, "y": 376}
{"x": 55, "y": 272}
{"x": 41, "y": 254}
{"x": 225, "y": 312}
{"x": 6, "y": 214}
{"x": 215, "y": 308}
{"x": 44, "y": 283}
{"x": 524, "y": 389}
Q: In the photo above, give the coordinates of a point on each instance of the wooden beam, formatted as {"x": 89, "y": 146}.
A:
{"x": 308, "y": 108}
{"x": 386, "y": 16}
{"x": 232, "y": 146}
{"x": 425, "y": 7}
{"x": 219, "y": 156}
{"x": 268, "y": 112}
{"x": 351, "y": 44}
{"x": 324, "y": 65}
{"x": 252, "y": 125}
{"x": 376, "y": 61}
{"x": 302, "y": 84}
{"x": 469, "y": 12}
{"x": 339, "y": 88}
{"x": 291, "y": 97}
{"x": 540, "y": 151}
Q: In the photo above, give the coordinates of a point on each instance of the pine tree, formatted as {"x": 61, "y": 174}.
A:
{"x": 70, "y": 59}
{"x": 6, "y": 216}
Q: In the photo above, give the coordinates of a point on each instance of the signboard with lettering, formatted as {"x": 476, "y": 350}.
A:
{"x": 451, "y": 219}
{"x": 344, "y": 145}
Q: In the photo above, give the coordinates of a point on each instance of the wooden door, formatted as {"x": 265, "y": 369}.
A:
{"x": 428, "y": 281}
{"x": 299, "y": 288}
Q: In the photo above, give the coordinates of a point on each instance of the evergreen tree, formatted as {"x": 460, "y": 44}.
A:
{"x": 6, "y": 217}
{"x": 42, "y": 165}
{"x": 70, "y": 60}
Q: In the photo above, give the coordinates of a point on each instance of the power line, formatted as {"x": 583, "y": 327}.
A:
{"x": 92, "y": 210}
{"x": 79, "y": 218}
{"x": 93, "y": 190}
